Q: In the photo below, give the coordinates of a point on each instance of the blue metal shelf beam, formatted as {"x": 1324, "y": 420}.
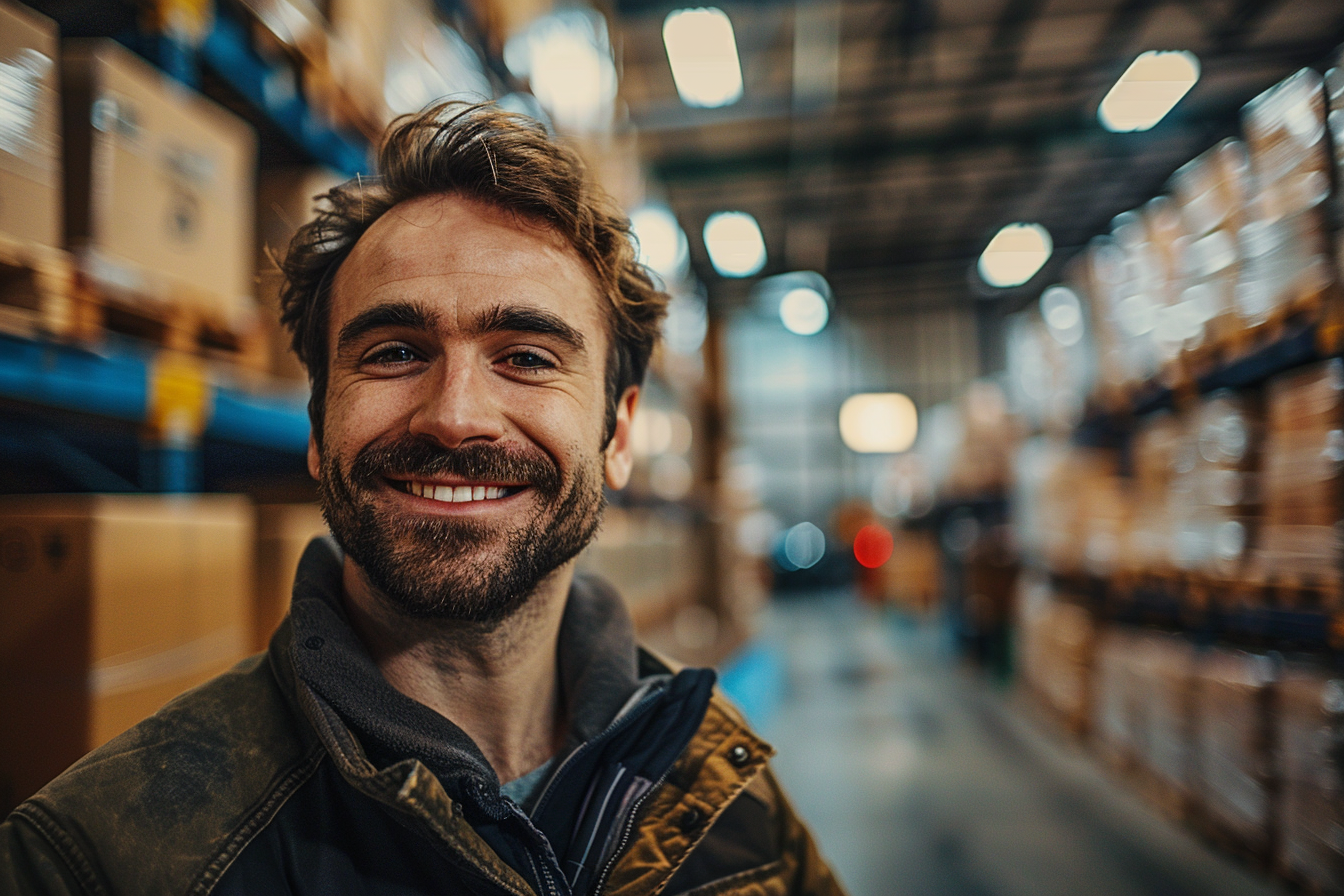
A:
{"x": 114, "y": 383}
{"x": 274, "y": 90}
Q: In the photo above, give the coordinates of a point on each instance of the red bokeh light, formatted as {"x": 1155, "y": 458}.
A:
{"x": 873, "y": 546}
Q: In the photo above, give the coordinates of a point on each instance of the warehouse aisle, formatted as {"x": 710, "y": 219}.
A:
{"x": 921, "y": 779}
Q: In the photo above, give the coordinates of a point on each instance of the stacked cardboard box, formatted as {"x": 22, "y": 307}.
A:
{"x": 1285, "y": 255}
{"x": 283, "y": 532}
{"x": 1234, "y": 781}
{"x": 1114, "y": 698}
{"x": 1057, "y": 647}
{"x": 159, "y": 187}
{"x": 1212, "y": 491}
{"x": 1302, "y": 455}
{"x": 109, "y": 607}
{"x": 30, "y": 136}
{"x": 1157, "y": 454}
{"x": 1211, "y": 193}
{"x": 1309, "y": 749}
{"x": 1161, "y": 669}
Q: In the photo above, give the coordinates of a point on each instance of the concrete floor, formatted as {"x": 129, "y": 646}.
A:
{"x": 920, "y": 778}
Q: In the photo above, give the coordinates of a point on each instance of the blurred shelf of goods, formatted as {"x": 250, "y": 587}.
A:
{"x": 1176, "y": 504}
{"x": 154, "y": 156}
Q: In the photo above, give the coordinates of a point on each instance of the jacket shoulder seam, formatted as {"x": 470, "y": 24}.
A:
{"x": 65, "y": 846}
{"x": 277, "y": 796}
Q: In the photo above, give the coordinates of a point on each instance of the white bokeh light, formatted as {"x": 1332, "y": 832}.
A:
{"x": 1015, "y": 254}
{"x": 566, "y": 57}
{"x": 878, "y": 422}
{"x": 1150, "y": 88}
{"x": 702, "y": 52}
{"x": 662, "y": 243}
{"x": 804, "y": 311}
{"x": 734, "y": 243}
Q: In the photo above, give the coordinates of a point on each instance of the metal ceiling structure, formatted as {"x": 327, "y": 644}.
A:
{"x": 883, "y": 143}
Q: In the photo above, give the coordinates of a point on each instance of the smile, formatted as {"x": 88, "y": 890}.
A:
{"x": 458, "y": 494}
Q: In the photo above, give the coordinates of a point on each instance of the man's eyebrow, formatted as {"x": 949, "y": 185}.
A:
{"x": 529, "y": 319}
{"x": 409, "y": 315}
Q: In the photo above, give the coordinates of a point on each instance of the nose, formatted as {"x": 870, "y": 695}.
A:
{"x": 457, "y": 406}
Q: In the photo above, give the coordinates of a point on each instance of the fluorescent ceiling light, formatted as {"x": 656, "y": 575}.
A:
{"x": 878, "y": 422}
{"x": 735, "y": 245}
{"x": 1150, "y": 88}
{"x": 1015, "y": 254}
{"x": 703, "y": 54}
{"x": 566, "y": 57}
{"x": 804, "y": 311}
{"x": 662, "y": 243}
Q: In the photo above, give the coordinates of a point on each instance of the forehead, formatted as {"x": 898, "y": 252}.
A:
{"x": 458, "y": 251}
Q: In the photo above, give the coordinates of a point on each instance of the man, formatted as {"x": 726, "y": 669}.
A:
{"x": 475, "y": 328}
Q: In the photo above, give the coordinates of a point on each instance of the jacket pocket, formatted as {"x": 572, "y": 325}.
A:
{"x": 767, "y": 880}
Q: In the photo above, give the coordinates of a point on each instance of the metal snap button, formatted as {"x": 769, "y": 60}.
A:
{"x": 690, "y": 820}
{"x": 739, "y": 755}
{"x": 314, "y": 643}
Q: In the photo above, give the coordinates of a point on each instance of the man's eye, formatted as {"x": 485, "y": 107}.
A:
{"x": 528, "y": 360}
{"x": 391, "y": 354}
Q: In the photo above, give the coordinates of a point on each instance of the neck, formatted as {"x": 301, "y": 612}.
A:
{"x": 498, "y": 684}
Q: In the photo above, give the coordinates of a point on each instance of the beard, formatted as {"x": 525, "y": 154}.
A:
{"x": 464, "y": 570}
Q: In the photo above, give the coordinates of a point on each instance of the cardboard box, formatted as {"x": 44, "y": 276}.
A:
{"x": 285, "y": 202}
{"x": 109, "y": 607}
{"x": 1308, "y": 733}
{"x": 30, "y": 137}
{"x": 283, "y": 532}
{"x": 159, "y": 185}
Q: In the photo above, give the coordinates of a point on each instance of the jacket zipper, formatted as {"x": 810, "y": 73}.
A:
{"x": 627, "y": 826}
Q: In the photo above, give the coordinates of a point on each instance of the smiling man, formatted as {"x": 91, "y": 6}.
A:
{"x": 447, "y": 708}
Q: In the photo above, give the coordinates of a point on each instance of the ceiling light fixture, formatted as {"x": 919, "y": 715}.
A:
{"x": 702, "y": 52}
{"x": 1150, "y": 88}
{"x": 1015, "y": 254}
{"x": 878, "y": 422}
{"x": 734, "y": 243}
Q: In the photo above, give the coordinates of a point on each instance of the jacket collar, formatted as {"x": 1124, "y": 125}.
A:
{"x": 598, "y": 668}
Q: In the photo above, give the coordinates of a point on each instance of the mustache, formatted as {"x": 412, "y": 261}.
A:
{"x": 412, "y": 457}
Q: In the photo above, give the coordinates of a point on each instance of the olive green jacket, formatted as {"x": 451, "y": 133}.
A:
{"x": 171, "y": 805}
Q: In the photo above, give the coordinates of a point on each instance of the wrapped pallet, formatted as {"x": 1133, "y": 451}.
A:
{"x": 1234, "y": 781}
{"x": 1058, "y": 642}
{"x": 1309, "y": 742}
{"x": 1285, "y": 254}
{"x": 1212, "y": 493}
{"x": 1115, "y": 698}
{"x": 1211, "y": 192}
{"x": 1157, "y": 459}
{"x": 1161, "y": 667}
{"x": 1302, "y": 455}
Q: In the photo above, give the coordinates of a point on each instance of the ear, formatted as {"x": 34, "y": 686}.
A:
{"x": 620, "y": 459}
{"x": 314, "y": 458}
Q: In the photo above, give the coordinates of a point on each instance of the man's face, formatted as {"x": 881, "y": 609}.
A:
{"x": 462, "y": 458}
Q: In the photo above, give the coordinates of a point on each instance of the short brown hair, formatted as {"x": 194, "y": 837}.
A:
{"x": 504, "y": 160}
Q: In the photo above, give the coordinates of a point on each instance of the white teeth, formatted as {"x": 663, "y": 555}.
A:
{"x": 455, "y": 494}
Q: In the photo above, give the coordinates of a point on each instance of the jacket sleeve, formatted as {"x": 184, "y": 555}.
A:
{"x": 32, "y": 863}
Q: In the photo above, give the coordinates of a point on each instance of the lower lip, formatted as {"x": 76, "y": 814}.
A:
{"x": 429, "y": 505}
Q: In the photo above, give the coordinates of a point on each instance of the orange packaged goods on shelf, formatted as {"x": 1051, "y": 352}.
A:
{"x": 1287, "y": 268}
{"x": 1058, "y": 643}
{"x": 159, "y": 202}
{"x": 1234, "y": 782}
{"x": 1211, "y": 192}
{"x": 1308, "y": 735}
{"x": 1298, "y": 552}
{"x": 109, "y": 607}
{"x": 1212, "y": 491}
